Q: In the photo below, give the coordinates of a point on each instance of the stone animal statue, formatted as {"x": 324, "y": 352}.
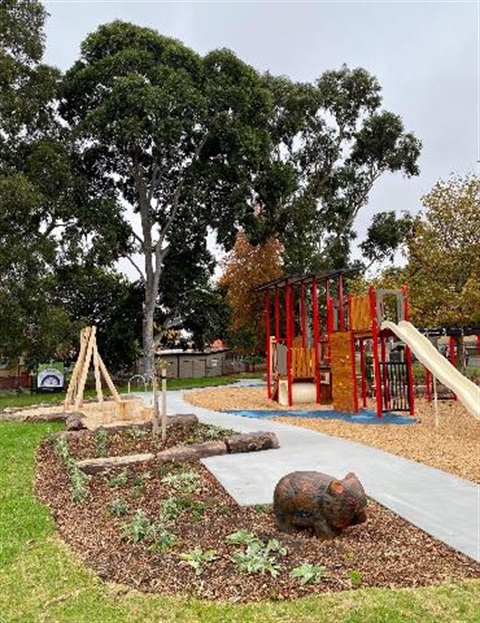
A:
{"x": 319, "y": 501}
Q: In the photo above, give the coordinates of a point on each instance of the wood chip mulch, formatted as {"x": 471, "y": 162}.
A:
{"x": 453, "y": 446}
{"x": 386, "y": 551}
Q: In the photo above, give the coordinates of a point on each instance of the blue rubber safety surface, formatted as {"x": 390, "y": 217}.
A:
{"x": 364, "y": 417}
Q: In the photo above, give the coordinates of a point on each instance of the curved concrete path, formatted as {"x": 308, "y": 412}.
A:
{"x": 439, "y": 503}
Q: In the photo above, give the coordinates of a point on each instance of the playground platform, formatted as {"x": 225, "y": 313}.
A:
{"x": 441, "y": 504}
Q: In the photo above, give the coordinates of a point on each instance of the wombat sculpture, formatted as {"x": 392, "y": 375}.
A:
{"x": 319, "y": 501}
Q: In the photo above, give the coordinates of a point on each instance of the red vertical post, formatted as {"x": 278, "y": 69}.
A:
{"x": 303, "y": 315}
{"x": 408, "y": 355}
{"x": 376, "y": 361}
{"x": 288, "y": 319}
{"x": 316, "y": 337}
{"x": 354, "y": 355}
{"x": 267, "y": 336}
{"x": 329, "y": 308}
{"x": 478, "y": 344}
{"x": 363, "y": 372}
{"x": 341, "y": 309}
{"x": 451, "y": 352}
{"x": 277, "y": 313}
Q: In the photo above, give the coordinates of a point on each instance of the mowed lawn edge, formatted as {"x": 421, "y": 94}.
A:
{"x": 41, "y": 580}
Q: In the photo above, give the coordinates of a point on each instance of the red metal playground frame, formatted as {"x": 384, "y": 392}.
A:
{"x": 299, "y": 312}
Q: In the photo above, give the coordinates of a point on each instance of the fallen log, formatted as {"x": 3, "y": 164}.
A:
{"x": 75, "y": 421}
{"x": 252, "y": 442}
{"x": 97, "y": 466}
{"x": 193, "y": 452}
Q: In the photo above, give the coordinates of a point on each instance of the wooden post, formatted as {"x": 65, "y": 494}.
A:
{"x": 163, "y": 368}
{"x": 341, "y": 309}
{"x": 83, "y": 374}
{"x": 79, "y": 364}
{"x": 155, "y": 423}
{"x": 108, "y": 379}
{"x": 96, "y": 368}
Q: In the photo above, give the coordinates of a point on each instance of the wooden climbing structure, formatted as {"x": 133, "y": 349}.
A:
{"x": 88, "y": 356}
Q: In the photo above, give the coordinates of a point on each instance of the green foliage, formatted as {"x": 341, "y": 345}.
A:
{"x": 263, "y": 508}
{"x": 139, "y": 529}
{"x": 78, "y": 479}
{"x": 443, "y": 270}
{"x": 355, "y": 577}
{"x": 186, "y": 481}
{"x": 118, "y": 507}
{"x": 386, "y": 235}
{"x": 242, "y": 537}
{"x": 142, "y": 529}
{"x": 259, "y": 556}
{"x": 136, "y": 432}
{"x": 101, "y": 442}
{"x": 198, "y": 559}
{"x": 119, "y": 480}
{"x": 308, "y": 573}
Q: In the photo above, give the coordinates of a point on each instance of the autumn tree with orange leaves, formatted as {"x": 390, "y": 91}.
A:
{"x": 246, "y": 267}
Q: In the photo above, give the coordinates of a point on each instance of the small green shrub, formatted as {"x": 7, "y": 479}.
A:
{"x": 138, "y": 529}
{"x": 172, "y": 508}
{"x": 355, "y": 577}
{"x": 101, "y": 442}
{"x": 308, "y": 574}
{"x": 120, "y": 480}
{"x": 186, "y": 480}
{"x": 262, "y": 508}
{"x": 78, "y": 479}
{"x": 141, "y": 528}
{"x": 242, "y": 537}
{"x": 136, "y": 432}
{"x": 118, "y": 507}
{"x": 198, "y": 559}
{"x": 259, "y": 557}
{"x": 80, "y": 482}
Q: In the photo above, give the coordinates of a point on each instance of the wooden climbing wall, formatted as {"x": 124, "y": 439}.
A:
{"x": 343, "y": 383}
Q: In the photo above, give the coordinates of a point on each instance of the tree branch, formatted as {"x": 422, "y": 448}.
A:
{"x": 136, "y": 266}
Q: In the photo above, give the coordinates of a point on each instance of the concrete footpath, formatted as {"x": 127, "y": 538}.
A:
{"x": 444, "y": 506}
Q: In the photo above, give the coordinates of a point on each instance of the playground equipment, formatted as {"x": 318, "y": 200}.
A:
{"x": 106, "y": 410}
{"x": 315, "y": 333}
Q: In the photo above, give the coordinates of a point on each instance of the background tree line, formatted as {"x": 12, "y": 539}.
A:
{"x": 188, "y": 145}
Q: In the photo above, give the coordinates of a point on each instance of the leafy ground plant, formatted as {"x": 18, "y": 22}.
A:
{"x": 186, "y": 480}
{"x": 308, "y": 573}
{"x": 141, "y": 528}
{"x": 120, "y": 480}
{"x": 198, "y": 559}
{"x": 78, "y": 479}
{"x": 259, "y": 556}
{"x": 118, "y": 507}
{"x": 355, "y": 577}
{"x": 101, "y": 442}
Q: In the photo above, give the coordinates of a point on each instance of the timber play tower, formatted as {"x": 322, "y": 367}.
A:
{"x": 317, "y": 342}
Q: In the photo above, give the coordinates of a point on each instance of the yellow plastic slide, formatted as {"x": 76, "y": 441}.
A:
{"x": 439, "y": 366}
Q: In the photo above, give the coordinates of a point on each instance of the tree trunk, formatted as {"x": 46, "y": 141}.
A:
{"x": 148, "y": 314}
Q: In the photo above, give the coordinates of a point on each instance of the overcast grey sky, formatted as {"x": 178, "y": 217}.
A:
{"x": 426, "y": 56}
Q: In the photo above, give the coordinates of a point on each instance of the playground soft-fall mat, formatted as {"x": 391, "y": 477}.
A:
{"x": 364, "y": 417}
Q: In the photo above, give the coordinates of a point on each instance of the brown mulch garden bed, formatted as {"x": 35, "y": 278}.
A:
{"x": 148, "y": 526}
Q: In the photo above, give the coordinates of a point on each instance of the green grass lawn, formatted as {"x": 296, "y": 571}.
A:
{"x": 41, "y": 581}
{"x": 12, "y": 399}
